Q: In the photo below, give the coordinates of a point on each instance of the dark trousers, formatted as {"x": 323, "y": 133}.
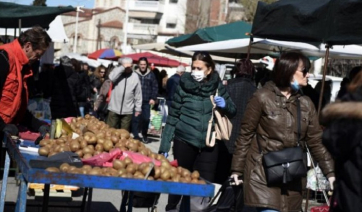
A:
{"x": 119, "y": 121}
{"x": 141, "y": 122}
{"x": 192, "y": 158}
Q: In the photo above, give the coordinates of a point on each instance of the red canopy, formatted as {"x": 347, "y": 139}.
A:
{"x": 155, "y": 59}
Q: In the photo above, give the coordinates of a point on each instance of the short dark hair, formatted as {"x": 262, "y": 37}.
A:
{"x": 286, "y": 66}
{"x": 244, "y": 67}
{"x": 206, "y": 58}
{"x": 143, "y": 59}
{"x": 354, "y": 71}
{"x": 37, "y": 36}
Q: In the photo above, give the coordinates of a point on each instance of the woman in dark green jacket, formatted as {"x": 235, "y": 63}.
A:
{"x": 188, "y": 119}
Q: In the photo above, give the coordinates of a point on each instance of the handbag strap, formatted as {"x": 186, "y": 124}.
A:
{"x": 298, "y": 120}
{"x": 211, "y": 142}
{"x": 299, "y": 127}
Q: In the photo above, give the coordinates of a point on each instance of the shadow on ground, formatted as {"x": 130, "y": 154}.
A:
{"x": 74, "y": 206}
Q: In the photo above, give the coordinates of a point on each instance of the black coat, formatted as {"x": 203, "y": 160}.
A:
{"x": 343, "y": 139}
{"x": 240, "y": 91}
{"x": 84, "y": 88}
{"x": 64, "y": 92}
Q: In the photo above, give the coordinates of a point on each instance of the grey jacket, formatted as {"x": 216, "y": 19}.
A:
{"x": 127, "y": 92}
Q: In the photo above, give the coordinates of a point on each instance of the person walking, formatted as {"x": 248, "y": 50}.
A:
{"x": 270, "y": 124}
{"x": 126, "y": 96}
{"x": 172, "y": 84}
{"x": 149, "y": 87}
{"x": 240, "y": 89}
{"x": 342, "y": 137}
{"x": 188, "y": 119}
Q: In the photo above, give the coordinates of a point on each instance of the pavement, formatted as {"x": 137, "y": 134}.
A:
{"x": 102, "y": 200}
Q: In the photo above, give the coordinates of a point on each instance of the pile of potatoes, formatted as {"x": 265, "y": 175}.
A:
{"x": 127, "y": 169}
{"x": 95, "y": 137}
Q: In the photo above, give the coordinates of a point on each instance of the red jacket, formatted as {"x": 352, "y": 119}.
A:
{"x": 14, "y": 96}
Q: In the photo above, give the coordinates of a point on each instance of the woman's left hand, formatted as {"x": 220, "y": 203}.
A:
{"x": 219, "y": 101}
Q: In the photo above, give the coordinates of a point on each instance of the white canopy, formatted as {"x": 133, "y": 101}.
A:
{"x": 56, "y": 31}
{"x": 273, "y": 47}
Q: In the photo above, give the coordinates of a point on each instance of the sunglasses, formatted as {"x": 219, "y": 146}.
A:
{"x": 102, "y": 72}
{"x": 305, "y": 71}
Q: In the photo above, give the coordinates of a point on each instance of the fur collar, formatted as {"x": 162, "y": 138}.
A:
{"x": 341, "y": 110}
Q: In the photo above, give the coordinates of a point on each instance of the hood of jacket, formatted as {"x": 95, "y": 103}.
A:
{"x": 349, "y": 108}
{"x": 204, "y": 89}
{"x": 138, "y": 71}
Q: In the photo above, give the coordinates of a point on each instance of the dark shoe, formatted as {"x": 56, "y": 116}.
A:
{"x": 145, "y": 140}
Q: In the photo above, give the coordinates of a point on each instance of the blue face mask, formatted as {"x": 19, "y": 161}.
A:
{"x": 295, "y": 85}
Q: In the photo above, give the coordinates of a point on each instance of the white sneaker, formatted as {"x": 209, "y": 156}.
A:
{"x": 140, "y": 135}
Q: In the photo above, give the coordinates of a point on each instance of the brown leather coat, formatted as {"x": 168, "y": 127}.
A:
{"x": 273, "y": 117}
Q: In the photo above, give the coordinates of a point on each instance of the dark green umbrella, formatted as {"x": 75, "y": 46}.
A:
{"x": 11, "y": 13}
{"x": 235, "y": 30}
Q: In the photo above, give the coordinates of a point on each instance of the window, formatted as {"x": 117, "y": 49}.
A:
{"x": 173, "y": 1}
{"x": 171, "y": 25}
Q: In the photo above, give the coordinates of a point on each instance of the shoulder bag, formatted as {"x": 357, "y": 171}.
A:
{"x": 286, "y": 165}
{"x": 223, "y": 126}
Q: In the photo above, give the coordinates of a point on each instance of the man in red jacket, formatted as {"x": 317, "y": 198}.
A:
{"x": 15, "y": 60}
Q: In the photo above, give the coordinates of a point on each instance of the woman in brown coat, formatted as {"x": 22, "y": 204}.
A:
{"x": 271, "y": 116}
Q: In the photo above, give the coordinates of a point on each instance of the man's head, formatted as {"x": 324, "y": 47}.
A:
{"x": 34, "y": 43}
{"x": 126, "y": 62}
{"x": 143, "y": 64}
{"x": 180, "y": 70}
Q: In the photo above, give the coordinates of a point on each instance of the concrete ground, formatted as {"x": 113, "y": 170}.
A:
{"x": 103, "y": 200}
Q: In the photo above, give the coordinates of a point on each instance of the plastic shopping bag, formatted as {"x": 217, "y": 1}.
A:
{"x": 316, "y": 181}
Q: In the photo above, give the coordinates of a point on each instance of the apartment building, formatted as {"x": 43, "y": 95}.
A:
{"x": 157, "y": 20}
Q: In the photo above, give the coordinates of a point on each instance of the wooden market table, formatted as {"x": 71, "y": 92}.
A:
{"x": 32, "y": 175}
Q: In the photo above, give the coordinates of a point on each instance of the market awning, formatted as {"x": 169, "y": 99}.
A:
{"x": 155, "y": 59}
{"x": 10, "y": 13}
{"x": 235, "y": 30}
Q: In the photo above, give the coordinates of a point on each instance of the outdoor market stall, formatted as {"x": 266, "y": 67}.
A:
{"x": 26, "y": 156}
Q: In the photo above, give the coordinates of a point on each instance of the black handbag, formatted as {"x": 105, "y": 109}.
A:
{"x": 286, "y": 165}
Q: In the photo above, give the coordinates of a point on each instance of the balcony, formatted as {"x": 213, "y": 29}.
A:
{"x": 144, "y": 29}
{"x": 147, "y": 6}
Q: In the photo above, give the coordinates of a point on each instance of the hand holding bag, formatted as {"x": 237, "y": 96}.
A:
{"x": 285, "y": 165}
{"x": 223, "y": 126}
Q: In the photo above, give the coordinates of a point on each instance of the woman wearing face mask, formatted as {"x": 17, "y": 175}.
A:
{"x": 271, "y": 120}
{"x": 188, "y": 119}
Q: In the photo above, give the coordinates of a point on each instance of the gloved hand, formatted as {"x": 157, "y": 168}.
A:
{"x": 11, "y": 129}
{"x": 164, "y": 154}
{"x": 331, "y": 182}
{"x": 219, "y": 101}
{"x": 236, "y": 179}
{"x": 44, "y": 129}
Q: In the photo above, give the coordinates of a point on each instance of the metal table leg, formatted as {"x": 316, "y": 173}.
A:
{"x": 5, "y": 181}
{"x": 84, "y": 199}
{"x": 90, "y": 193}
{"x": 21, "y": 201}
{"x": 46, "y": 197}
{"x": 185, "y": 204}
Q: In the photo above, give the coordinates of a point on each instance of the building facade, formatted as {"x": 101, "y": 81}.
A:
{"x": 158, "y": 20}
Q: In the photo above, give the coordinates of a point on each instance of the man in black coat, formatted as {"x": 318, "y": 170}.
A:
{"x": 63, "y": 91}
{"x": 172, "y": 83}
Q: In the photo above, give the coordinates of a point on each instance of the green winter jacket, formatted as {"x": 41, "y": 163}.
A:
{"x": 191, "y": 110}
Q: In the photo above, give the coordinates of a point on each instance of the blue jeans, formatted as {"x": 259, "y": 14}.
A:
{"x": 142, "y": 121}
{"x": 81, "y": 110}
{"x": 266, "y": 210}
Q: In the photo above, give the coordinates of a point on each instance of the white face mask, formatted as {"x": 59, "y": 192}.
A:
{"x": 198, "y": 75}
